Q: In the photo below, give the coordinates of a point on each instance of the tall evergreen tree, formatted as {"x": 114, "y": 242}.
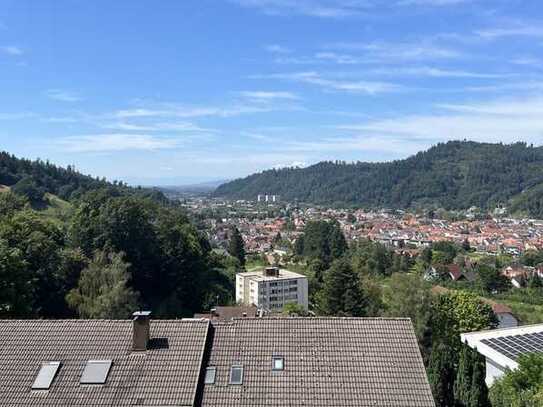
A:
{"x": 236, "y": 246}
{"x": 441, "y": 375}
{"x": 341, "y": 294}
{"x": 479, "y": 390}
{"x": 463, "y": 382}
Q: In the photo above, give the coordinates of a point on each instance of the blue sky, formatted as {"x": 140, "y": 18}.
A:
{"x": 176, "y": 92}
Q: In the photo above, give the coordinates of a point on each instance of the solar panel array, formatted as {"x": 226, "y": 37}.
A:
{"x": 515, "y": 345}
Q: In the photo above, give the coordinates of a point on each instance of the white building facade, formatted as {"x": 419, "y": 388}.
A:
{"x": 270, "y": 289}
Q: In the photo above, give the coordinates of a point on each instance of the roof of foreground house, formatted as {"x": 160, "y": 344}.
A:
{"x": 165, "y": 375}
{"x": 326, "y": 361}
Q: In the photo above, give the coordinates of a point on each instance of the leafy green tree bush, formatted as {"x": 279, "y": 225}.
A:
{"x": 102, "y": 290}
{"x": 522, "y": 387}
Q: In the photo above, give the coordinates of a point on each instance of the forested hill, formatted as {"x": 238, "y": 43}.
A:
{"x": 453, "y": 175}
{"x": 34, "y": 178}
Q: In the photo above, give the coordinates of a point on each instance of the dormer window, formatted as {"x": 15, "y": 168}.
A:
{"x": 46, "y": 375}
{"x": 278, "y": 363}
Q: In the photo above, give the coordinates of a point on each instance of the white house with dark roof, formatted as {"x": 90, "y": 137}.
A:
{"x": 502, "y": 347}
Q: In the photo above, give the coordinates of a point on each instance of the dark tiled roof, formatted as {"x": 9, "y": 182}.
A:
{"x": 166, "y": 375}
{"x": 328, "y": 362}
{"x": 228, "y": 313}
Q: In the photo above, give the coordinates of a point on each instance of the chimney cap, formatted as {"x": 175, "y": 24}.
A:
{"x": 138, "y": 314}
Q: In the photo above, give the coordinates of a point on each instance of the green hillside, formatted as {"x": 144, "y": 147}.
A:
{"x": 453, "y": 175}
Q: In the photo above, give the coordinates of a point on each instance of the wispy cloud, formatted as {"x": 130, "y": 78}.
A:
{"x": 520, "y": 30}
{"x": 439, "y": 73}
{"x": 114, "y": 142}
{"x": 354, "y": 86}
{"x": 336, "y": 8}
{"x": 497, "y": 121}
{"x": 277, "y": 49}
{"x": 63, "y": 95}
{"x": 191, "y": 112}
{"x": 16, "y": 115}
{"x": 267, "y": 96}
{"x": 381, "y": 51}
{"x": 160, "y": 126}
{"x": 312, "y": 8}
{"x": 12, "y": 50}
{"x": 432, "y": 3}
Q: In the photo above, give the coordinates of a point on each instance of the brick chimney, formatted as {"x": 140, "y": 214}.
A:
{"x": 140, "y": 330}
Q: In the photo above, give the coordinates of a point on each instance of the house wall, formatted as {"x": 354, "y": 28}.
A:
{"x": 493, "y": 372}
{"x": 506, "y": 320}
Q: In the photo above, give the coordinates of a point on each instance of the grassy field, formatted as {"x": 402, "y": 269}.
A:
{"x": 55, "y": 208}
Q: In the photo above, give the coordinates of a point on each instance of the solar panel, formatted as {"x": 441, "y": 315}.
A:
{"x": 211, "y": 372}
{"x": 46, "y": 375}
{"x": 95, "y": 372}
{"x": 236, "y": 374}
{"x": 515, "y": 345}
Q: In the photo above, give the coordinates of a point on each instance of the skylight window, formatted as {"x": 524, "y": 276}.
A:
{"x": 95, "y": 372}
{"x": 278, "y": 363}
{"x": 46, "y": 375}
{"x": 211, "y": 372}
{"x": 236, "y": 374}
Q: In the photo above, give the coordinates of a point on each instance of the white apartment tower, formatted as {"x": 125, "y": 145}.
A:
{"x": 271, "y": 288}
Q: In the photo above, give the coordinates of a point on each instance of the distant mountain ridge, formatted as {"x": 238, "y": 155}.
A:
{"x": 452, "y": 175}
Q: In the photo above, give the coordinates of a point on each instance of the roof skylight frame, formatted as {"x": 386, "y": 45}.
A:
{"x": 236, "y": 374}
{"x": 96, "y": 371}
{"x": 210, "y": 375}
{"x": 278, "y": 363}
{"x": 46, "y": 375}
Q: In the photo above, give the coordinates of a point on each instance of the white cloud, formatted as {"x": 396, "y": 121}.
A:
{"x": 432, "y": 3}
{"x": 439, "y": 73}
{"x": 312, "y": 8}
{"x": 114, "y": 142}
{"x": 520, "y": 30}
{"x": 356, "y": 86}
{"x": 381, "y": 51}
{"x": 171, "y": 110}
{"x": 277, "y": 49}
{"x": 160, "y": 126}
{"x": 62, "y": 95}
{"x": 267, "y": 96}
{"x": 12, "y": 50}
{"x": 16, "y": 115}
{"x": 497, "y": 121}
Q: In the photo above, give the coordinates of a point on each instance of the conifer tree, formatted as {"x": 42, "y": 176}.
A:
{"x": 236, "y": 246}
{"x": 341, "y": 294}
{"x": 463, "y": 382}
{"x": 479, "y": 391}
{"x": 441, "y": 375}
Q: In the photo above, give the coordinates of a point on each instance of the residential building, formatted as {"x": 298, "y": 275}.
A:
{"x": 271, "y": 288}
{"x": 502, "y": 347}
{"x": 348, "y": 362}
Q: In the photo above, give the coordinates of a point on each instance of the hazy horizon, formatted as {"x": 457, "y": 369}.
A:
{"x": 181, "y": 93}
